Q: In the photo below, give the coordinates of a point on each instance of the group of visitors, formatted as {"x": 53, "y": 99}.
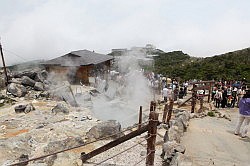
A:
{"x": 227, "y": 96}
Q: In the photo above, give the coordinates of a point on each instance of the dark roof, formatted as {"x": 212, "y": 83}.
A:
{"x": 79, "y": 58}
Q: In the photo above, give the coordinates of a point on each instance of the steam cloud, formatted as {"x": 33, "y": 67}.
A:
{"x": 133, "y": 93}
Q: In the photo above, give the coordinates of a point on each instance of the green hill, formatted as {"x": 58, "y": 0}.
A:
{"x": 229, "y": 66}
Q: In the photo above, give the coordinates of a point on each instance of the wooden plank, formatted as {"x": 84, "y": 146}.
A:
{"x": 186, "y": 100}
{"x": 202, "y": 88}
{"x": 201, "y": 82}
{"x": 113, "y": 143}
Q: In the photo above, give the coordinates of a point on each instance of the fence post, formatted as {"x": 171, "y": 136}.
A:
{"x": 201, "y": 104}
{"x": 152, "y": 130}
{"x": 140, "y": 117}
{"x": 193, "y": 98}
{"x": 170, "y": 111}
{"x": 152, "y": 106}
{"x": 165, "y": 111}
{"x": 209, "y": 94}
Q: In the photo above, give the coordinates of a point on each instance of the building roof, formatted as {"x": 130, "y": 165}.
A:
{"x": 79, "y": 58}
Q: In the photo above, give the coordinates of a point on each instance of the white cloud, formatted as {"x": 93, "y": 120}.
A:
{"x": 50, "y": 28}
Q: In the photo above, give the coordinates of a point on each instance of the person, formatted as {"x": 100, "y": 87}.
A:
{"x": 218, "y": 98}
{"x": 244, "y": 117}
{"x": 240, "y": 94}
{"x": 213, "y": 93}
{"x": 224, "y": 97}
{"x": 181, "y": 93}
{"x": 165, "y": 93}
{"x": 234, "y": 94}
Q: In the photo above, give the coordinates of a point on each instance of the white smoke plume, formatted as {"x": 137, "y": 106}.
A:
{"x": 133, "y": 93}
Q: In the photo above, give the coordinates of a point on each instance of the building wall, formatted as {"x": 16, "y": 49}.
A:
{"x": 79, "y": 74}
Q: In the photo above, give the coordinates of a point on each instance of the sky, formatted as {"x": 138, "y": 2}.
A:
{"x": 45, "y": 29}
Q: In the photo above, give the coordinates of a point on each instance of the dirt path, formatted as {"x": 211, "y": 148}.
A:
{"x": 210, "y": 141}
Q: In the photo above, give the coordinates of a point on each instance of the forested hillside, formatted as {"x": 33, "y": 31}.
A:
{"x": 230, "y": 66}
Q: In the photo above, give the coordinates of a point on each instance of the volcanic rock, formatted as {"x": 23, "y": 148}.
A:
{"x": 39, "y": 86}
{"x": 17, "y": 90}
{"x": 27, "y": 81}
{"x": 110, "y": 128}
{"x": 60, "y": 107}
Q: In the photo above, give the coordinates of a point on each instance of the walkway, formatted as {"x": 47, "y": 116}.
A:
{"x": 210, "y": 141}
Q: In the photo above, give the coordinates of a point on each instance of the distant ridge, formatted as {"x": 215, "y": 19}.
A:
{"x": 233, "y": 65}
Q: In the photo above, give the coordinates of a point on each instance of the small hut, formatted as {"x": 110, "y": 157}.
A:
{"x": 78, "y": 66}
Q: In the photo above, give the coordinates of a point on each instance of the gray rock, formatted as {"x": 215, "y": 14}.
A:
{"x": 184, "y": 118}
{"x": 39, "y": 86}
{"x": 181, "y": 160}
{"x": 30, "y": 74}
{"x": 63, "y": 144}
{"x": 60, "y": 107}
{"x": 16, "y": 80}
{"x": 20, "y": 108}
{"x": 27, "y": 81}
{"x": 108, "y": 128}
{"x": 65, "y": 93}
{"x": 180, "y": 148}
{"x": 41, "y": 76}
{"x": 173, "y": 134}
{"x": 29, "y": 108}
{"x": 17, "y": 90}
{"x": 45, "y": 94}
{"x": 168, "y": 150}
{"x": 178, "y": 122}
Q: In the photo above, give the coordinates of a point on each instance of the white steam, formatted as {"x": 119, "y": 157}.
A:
{"x": 132, "y": 93}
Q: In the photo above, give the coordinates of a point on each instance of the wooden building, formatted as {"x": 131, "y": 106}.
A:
{"x": 78, "y": 66}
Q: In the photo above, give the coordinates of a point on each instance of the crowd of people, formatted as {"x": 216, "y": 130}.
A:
{"x": 227, "y": 96}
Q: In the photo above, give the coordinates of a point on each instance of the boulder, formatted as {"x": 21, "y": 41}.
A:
{"x": 30, "y": 74}
{"x": 41, "y": 76}
{"x": 62, "y": 144}
{"x": 27, "y": 81}
{"x": 178, "y": 122}
{"x": 17, "y": 90}
{"x": 170, "y": 149}
{"x": 20, "y": 108}
{"x": 181, "y": 160}
{"x": 60, "y": 107}
{"x": 108, "y": 128}
{"x": 16, "y": 80}
{"x": 29, "y": 108}
{"x": 64, "y": 93}
{"x": 173, "y": 134}
{"x": 39, "y": 86}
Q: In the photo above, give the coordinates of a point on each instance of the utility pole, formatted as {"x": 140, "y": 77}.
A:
{"x": 4, "y": 67}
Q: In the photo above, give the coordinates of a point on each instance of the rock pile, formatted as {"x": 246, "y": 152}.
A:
{"x": 21, "y": 82}
{"x": 172, "y": 150}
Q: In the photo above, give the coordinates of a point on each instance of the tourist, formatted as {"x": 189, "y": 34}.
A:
{"x": 165, "y": 93}
{"x": 240, "y": 94}
{"x": 234, "y": 95}
{"x": 244, "y": 117}
{"x": 213, "y": 93}
{"x": 218, "y": 98}
{"x": 181, "y": 93}
{"x": 224, "y": 97}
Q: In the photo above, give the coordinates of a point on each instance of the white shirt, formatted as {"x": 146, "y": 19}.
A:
{"x": 164, "y": 92}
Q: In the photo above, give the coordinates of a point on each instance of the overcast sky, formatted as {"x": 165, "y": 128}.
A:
{"x": 42, "y": 29}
